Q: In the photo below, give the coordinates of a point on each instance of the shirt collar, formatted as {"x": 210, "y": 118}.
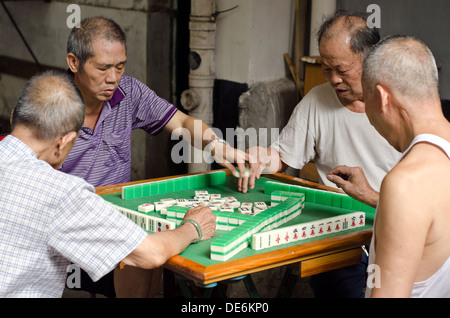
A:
{"x": 18, "y": 148}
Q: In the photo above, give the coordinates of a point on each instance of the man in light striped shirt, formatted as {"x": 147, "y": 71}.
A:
{"x": 116, "y": 104}
{"x": 49, "y": 218}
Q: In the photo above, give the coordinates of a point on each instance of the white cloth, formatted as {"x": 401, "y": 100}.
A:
{"x": 438, "y": 285}
{"x": 321, "y": 128}
{"x": 49, "y": 219}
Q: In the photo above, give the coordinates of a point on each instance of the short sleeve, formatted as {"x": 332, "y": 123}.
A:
{"x": 296, "y": 144}
{"x": 91, "y": 233}
{"x": 150, "y": 112}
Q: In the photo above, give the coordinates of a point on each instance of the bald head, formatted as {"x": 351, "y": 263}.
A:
{"x": 405, "y": 65}
{"x": 352, "y": 29}
{"x": 50, "y": 106}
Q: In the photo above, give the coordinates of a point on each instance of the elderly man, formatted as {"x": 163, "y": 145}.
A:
{"x": 49, "y": 218}
{"x": 410, "y": 243}
{"x": 330, "y": 127}
{"x": 115, "y": 105}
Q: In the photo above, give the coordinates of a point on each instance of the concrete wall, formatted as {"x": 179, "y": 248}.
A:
{"x": 252, "y": 38}
{"x": 251, "y": 42}
{"x": 44, "y": 26}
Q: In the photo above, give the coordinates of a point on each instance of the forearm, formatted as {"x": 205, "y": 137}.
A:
{"x": 193, "y": 130}
{"x": 371, "y": 199}
{"x": 157, "y": 248}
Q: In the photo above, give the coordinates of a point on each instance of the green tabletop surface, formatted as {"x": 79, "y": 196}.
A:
{"x": 200, "y": 252}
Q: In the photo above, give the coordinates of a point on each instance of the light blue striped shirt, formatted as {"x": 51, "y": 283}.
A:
{"x": 103, "y": 156}
{"x": 49, "y": 219}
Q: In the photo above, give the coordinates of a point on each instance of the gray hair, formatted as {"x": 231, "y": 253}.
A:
{"x": 81, "y": 38}
{"x": 362, "y": 38}
{"x": 404, "y": 64}
{"x": 50, "y": 105}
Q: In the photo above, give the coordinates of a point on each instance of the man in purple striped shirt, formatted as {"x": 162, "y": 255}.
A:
{"x": 115, "y": 105}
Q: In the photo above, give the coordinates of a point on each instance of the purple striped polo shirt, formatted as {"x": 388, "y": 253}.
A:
{"x": 103, "y": 156}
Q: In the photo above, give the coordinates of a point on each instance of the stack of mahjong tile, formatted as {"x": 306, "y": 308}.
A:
{"x": 234, "y": 241}
{"x": 148, "y": 223}
{"x": 308, "y": 230}
{"x": 303, "y": 231}
{"x": 215, "y": 201}
{"x": 230, "y": 213}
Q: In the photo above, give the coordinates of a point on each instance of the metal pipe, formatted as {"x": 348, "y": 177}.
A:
{"x": 198, "y": 99}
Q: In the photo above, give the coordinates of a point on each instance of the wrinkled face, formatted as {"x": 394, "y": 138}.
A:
{"x": 342, "y": 68}
{"x": 102, "y": 72}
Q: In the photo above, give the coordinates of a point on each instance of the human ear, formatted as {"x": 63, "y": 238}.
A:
{"x": 385, "y": 98}
{"x": 65, "y": 143}
{"x": 73, "y": 62}
{"x": 68, "y": 140}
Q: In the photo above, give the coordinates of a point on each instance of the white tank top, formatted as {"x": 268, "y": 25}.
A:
{"x": 438, "y": 285}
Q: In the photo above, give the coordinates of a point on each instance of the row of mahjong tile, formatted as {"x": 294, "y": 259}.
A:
{"x": 214, "y": 201}
{"x": 307, "y": 230}
{"x": 234, "y": 241}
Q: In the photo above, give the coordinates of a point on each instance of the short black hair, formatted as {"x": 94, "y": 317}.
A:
{"x": 81, "y": 38}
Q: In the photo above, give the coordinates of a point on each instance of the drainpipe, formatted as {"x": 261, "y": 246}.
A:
{"x": 198, "y": 99}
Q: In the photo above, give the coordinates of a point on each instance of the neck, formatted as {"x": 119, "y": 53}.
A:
{"x": 40, "y": 148}
{"x": 356, "y": 106}
{"x": 429, "y": 120}
{"x": 93, "y": 105}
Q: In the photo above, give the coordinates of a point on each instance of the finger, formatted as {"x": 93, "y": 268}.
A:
{"x": 230, "y": 167}
{"x": 342, "y": 171}
{"x": 244, "y": 185}
{"x": 255, "y": 172}
{"x": 336, "y": 179}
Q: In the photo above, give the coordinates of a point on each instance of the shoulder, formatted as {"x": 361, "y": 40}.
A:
{"x": 321, "y": 97}
{"x": 417, "y": 176}
{"x": 318, "y": 91}
{"x": 128, "y": 83}
{"x": 136, "y": 90}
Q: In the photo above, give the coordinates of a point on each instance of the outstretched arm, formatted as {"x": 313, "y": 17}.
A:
{"x": 157, "y": 248}
{"x": 203, "y": 138}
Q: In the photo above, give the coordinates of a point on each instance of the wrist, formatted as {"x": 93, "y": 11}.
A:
{"x": 197, "y": 228}
{"x": 373, "y": 201}
{"x": 211, "y": 145}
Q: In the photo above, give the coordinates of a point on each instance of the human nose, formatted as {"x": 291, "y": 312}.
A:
{"x": 111, "y": 76}
{"x": 335, "y": 78}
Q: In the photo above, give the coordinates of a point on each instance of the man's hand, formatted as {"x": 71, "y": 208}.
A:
{"x": 204, "y": 217}
{"x": 259, "y": 161}
{"x": 227, "y": 156}
{"x": 353, "y": 181}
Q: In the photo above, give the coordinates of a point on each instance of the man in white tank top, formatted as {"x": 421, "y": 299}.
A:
{"x": 410, "y": 250}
